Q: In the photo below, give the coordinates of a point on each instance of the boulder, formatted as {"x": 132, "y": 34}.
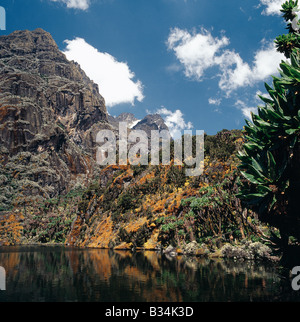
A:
{"x": 248, "y": 250}
{"x": 191, "y": 248}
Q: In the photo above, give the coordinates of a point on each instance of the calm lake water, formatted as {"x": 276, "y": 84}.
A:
{"x": 58, "y": 274}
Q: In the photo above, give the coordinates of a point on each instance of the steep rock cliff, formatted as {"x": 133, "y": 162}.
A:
{"x": 50, "y": 113}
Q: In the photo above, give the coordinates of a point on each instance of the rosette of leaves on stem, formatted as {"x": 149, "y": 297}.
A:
{"x": 286, "y": 43}
{"x": 270, "y": 159}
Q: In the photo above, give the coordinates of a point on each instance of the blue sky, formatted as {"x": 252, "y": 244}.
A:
{"x": 200, "y": 63}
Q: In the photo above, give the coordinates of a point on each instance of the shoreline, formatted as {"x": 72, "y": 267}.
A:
{"x": 245, "y": 251}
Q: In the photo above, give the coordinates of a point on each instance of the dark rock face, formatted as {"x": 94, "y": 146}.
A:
{"x": 129, "y": 118}
{"x": 50, "y": 113}
{"x": 150, "y": 123}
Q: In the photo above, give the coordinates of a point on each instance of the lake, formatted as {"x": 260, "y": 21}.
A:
{"x": 62, "y": 274}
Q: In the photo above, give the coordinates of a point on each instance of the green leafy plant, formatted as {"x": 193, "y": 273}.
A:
{"x": 271, "y": 155}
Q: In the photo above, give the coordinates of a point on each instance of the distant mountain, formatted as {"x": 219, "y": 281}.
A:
{"x": 148, "y": 123}
{"x": 124, "y": 117}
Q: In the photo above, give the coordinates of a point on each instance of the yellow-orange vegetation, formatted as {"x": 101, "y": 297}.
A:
{"x": 11, "y": 229}
{"x": 102, "y": 234}
{"x": 148, "y": 176}
{"x": 135, "y": 225}
{"x": 156, "y": 192}
{"x": 152, "y": 242}
{"x": 75, "y": 232}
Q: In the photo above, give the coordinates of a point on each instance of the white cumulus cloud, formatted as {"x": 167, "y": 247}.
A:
{"x": 75, "y": 4}
{"x": 200, "y": 51}
{"x": 195, "y": 51}
{"x": 272, "y": 6}
{"x": 115, "y": 79}
{"x": 175, "y": 121}
{"x": 237, "y": 73}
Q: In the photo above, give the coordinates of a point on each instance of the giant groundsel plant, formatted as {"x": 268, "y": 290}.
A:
{"x": 270, "y": 159}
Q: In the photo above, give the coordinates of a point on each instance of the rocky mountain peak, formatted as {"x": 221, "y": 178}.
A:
{"x": 126, "y": 117}
{"x": 50, "y": 114}
{"x": 26, "y": 42}
{"x": 129, "y": 118}
{"x": 150, "y": 123}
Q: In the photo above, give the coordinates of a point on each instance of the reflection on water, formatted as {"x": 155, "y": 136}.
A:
{"x": 68, "y": 274}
